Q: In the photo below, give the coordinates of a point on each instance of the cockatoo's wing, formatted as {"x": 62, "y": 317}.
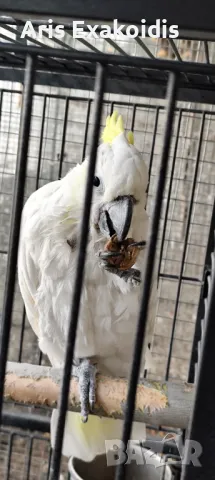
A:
{"x": 28, "y": 282}
{"x": 28, "y": 268}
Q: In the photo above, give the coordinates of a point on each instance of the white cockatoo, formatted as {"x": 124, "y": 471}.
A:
{"x": 110, "y": 300}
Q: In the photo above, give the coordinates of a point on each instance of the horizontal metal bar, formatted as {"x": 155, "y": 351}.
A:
{"x": 119, "y": 60}
{"x": 26, "y": 421}
{"x": 196, "y": 94}
{"x": 176, "y": 277}
{"x": 23, "y": 435}
{"x": 108, "y": 102}
{"x": 161, "y": 429}
{"x": 158, "y": 446}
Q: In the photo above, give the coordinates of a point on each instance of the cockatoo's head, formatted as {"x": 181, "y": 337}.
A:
{"x": 120, "y": 185}
{"x": 119, "y": 192}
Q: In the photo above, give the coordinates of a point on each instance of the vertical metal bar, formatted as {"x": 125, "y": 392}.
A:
{"x": 10, "y": 444}
{"x": 133, "y": 116}
{"x": 112, "y": 107}
{"x": 36, "y": 188}
{"x": 170, "y": 189}
{"x": 202, "y": 423}
{"x": 29, "y": 454}
{"x": 175, "y": 50}
{"x": 40, "y": 358}
{"x": 49, "y": 464}
{"x": 200, "y": 313}
{"x": 152, "y": 150}
{"x": 153, "y": 140}
{"x": 206, "y": 51}
{"x": 185, "y": 244}
{"x": 148, "y": 273}
{"x": 18, "y": 199}
{"x": 63, "y": 137}
{"x": 1, "y": 102}
{"x": 56, "y": 458}
{"x": 22, "y": 335}
{"x": 86, "y": 129}
{"x": 41, "y": 143}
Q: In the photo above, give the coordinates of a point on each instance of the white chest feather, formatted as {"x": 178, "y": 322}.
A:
{"x": 107, "y": 317}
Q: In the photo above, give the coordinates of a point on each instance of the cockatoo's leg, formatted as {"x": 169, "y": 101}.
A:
{"x": 131, "y": 276}
{"x": 86, "y": 373}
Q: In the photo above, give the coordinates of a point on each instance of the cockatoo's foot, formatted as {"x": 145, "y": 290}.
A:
{"x": 86, "y": 373}
{"x": 132, "y": 275}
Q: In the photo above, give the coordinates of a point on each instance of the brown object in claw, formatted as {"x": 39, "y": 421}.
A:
{"x": 128, "y": 255}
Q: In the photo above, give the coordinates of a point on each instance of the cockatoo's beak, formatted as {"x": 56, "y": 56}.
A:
{"x": 115, "y": 217}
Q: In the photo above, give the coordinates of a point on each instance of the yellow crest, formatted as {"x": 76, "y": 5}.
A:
{"x": 115, "y": 126}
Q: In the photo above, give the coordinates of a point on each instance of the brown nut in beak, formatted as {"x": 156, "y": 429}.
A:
{"x": 121, "y": 255}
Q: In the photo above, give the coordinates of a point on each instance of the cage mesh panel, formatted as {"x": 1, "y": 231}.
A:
{"x": 75, "y": 133}
{"x": 25, "y": 456}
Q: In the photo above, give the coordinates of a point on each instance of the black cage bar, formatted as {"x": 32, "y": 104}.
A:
{"x": 148, "y": 274}
{"x": 99, "y": 90}
{"x": 16, "y": 219}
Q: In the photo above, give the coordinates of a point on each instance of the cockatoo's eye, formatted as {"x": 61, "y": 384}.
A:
{"x": 96, "y": 182}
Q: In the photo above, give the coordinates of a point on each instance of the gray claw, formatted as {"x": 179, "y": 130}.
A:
{"x": 92, "y": 391}
{"x": 140, "y": 245}
{"x": 132, "y": 275}
{"x": 86, "y": 373}
{"x": 105, "y": 255}
{"x": 104, "y": 264}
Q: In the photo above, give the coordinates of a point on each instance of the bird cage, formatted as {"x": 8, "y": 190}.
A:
{"x": 55, "y": 95}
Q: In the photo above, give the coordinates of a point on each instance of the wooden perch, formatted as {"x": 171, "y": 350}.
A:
{"x": 167, "y": 404}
